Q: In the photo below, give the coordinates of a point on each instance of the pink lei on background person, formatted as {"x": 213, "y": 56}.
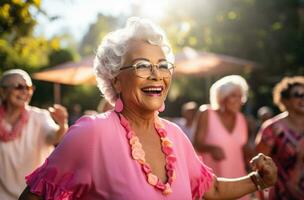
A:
{"x": 6, "y": 132}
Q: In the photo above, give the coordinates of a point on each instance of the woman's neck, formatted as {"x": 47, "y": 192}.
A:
{"x": 139, "y": 119}
{"x": 12, "y": 113}
{"x": 226, "y": 113}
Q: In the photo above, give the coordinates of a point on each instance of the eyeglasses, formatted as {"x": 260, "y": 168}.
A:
{"x": 19, "y": 87}
{"x": 297, "y": 95}
{"x": 144, "y": 68}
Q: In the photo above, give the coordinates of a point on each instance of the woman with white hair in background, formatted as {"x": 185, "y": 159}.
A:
{"x": 221, "y": 131}
{"x": 27, "y": 133}
{"x": 130, "y": 152}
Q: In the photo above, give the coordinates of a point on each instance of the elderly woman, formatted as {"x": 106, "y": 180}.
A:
{"x": 27, "y": 133}
{"x": 222, "y": 129}
{"x": 129, "y": 152}
{"x": 282, "y": 138}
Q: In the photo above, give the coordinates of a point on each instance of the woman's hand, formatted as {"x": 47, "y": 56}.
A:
{"x": 217, "y": 153}
{"x": 266, "y": 169}
{"x": 59, "y": 114}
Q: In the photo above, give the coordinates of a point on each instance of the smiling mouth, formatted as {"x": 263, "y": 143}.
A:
{"x": 22, "y": 98}
{"x": 152, "y": 90}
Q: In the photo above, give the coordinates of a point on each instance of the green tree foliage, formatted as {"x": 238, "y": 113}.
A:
{"x": 60, "y": 56}
{"x": 16, "y": 20}
{"x": 268, "y": 32}
{"x": 16, "y": 25}
{"x": 103, "y": 25}
{"x": 19, "y": 48}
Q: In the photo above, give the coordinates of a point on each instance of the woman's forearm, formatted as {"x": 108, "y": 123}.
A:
{"x": 57, "y": 136}
{"x": 61, "y": 131}
{"x": 264, "y": 175}
{"x": 230, "y": 188}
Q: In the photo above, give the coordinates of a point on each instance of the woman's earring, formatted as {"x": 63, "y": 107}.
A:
{"x": 162, "y": 108}
{"x": 118, "y": 105}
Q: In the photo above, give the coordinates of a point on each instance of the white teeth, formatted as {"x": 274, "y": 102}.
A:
{"x": 153, "y": 89}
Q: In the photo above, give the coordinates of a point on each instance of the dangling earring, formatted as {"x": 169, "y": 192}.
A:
{"x": 162, "y": 108}
{"x": 118, "y": 105}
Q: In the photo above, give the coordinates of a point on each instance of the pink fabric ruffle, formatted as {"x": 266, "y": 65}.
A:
{"x": 45, "y": 182}
{"x": 200, "y": 186}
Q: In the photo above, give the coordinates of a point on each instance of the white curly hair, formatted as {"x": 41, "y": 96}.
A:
{"x": 13, "y": 72}
{"x": 108, "y": 59}
{"x": 224, "y": 87}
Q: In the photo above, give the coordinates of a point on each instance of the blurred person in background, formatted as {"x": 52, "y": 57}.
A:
{"x": 130, "y": 152}
{"x": 254, "y": 124}
{"x": 221, "y": 134}
{"x": 75, "y": 113}
{"x": 282, "y": 138}
{"x": 187, "y": 120}
{"x": 264, "y": 113}
{"x": 27, "y": 133}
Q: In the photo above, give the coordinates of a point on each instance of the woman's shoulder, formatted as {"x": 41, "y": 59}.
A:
{"x": 278, "y": 119}
{"x": 174, "y": 131}
{"x": 101, "y": 117}
{"x": 169, "y": 124}
{"x": 101, "y": 121}
{"x": 36, "y": 111}
{"x": 89, "y": 128}
{"x": 204, "y": 108}
{"x": 204, "y": 112}
{"x": 242, "y": 117}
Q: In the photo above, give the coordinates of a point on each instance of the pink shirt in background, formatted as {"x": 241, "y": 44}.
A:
{"x": 233, "y": 166}
{"x": 94, "y": 162}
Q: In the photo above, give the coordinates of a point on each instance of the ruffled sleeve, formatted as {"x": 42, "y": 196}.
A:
{"x": 202, "y": 184}
{"x": 67, "y": 173}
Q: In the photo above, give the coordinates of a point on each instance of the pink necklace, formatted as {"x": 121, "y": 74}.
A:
{"x": 6, "y": 135}
{"x": 138, "y": 154}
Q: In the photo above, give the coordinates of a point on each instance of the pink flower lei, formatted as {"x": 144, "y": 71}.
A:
{"x": 138, "y": 154}
{"x": 5, "y": 135}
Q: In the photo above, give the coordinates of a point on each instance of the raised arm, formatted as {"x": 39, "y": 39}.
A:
{"x": 265, "y": 175}
{"x": 60, "y": 115}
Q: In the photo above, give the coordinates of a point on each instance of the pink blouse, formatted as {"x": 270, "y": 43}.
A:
{"x": 94, "y": 162}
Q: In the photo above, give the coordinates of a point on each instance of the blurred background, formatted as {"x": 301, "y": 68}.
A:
{"x": 262, "y": 40}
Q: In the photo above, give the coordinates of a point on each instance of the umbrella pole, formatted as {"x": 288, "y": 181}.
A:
{"x": 57, "y": 95}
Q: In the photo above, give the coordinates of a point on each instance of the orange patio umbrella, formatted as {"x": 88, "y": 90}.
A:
{"x": 198, "y": 63}
{"x": 70, "y": 73}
